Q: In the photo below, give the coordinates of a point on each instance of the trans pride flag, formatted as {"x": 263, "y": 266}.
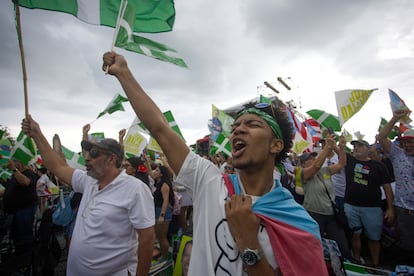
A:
{"x": 293, "y": 234}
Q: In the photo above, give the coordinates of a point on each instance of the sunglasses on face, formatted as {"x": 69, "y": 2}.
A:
{"x": 95, "y": 153}
{"x": 228, "y": 168}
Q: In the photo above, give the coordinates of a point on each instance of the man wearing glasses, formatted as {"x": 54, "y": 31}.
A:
{"x": 115, "y": 222}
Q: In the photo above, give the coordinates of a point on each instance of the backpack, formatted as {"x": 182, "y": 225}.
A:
{"x": 64, "y": 214}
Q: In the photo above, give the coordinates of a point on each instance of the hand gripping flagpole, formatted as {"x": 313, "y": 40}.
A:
{"x": 121, "y": 12}
{"x": 19, "y": 36}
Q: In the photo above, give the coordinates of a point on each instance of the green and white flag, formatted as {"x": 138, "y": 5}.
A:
{"x": 5, "y": 173}
{"x": 393, "y": 132}
{"x": 24, "y": 150}
{"x": 114, "y": 105}
{"x": 74, "y": 160}
{"x": 222, "y": 144}
{"x": 350, "y": 101}
{"x": 151, "y": 16}
{"x": 171, "y": 121}
{"x": 126, "y": 39}
{"x": 325, "y": 119}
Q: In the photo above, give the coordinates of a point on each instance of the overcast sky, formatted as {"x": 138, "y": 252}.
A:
{"x": 231, "y": 47}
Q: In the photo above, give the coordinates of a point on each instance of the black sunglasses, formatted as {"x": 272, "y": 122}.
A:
{"x": 95, "y": 153}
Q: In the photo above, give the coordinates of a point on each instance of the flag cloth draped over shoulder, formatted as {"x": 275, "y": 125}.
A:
{"x": 350, "y": 101}
{"x": 293, "y": 234}
{"x": 151, "y": 16}
{"x": 126, "y": 39}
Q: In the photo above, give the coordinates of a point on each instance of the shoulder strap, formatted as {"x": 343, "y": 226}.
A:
{"x": 229, "y": 184}
{"x": 327, "y": 193}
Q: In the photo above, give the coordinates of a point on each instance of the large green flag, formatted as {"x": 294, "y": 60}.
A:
{"x": 222, "y": 144}
{"x": 325, "y": 119}
{"x": 114, "y": 105}
{"x": 127, "y": 40}
{"x": 24, "y": 150}
{"x": 151, "y": 16}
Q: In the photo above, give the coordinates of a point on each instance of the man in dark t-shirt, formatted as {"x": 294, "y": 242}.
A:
{"x": 20, "y": 200}
{"x": 364, "y": 179}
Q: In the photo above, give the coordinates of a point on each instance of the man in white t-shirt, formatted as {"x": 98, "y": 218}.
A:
{"x": 244, "y": 224}
{"x": 114, "y": 227}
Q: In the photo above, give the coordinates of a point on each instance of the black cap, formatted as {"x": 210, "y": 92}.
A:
{"x": 108, "y": 144}
{"x": 306, "y": 155}
{"x": 361, "y": 142}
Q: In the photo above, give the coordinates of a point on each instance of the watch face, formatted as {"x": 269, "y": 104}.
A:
{"x": 249, "y": 257}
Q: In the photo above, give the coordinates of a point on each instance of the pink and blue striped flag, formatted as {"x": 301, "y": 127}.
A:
{"x": 293, "y": 234}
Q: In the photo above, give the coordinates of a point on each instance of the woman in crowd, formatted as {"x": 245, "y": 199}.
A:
{"x": 163, "y": 200}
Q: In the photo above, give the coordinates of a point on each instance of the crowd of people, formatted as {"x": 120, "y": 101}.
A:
{"x": 248, "y": 216}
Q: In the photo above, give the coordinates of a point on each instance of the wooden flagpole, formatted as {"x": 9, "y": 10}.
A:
{"x": 19, "y": 35}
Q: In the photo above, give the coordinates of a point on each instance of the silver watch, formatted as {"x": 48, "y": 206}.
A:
{"x": 251, "y": 257}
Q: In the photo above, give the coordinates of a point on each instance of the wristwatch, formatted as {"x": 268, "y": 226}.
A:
{"x": 251, "y": 257}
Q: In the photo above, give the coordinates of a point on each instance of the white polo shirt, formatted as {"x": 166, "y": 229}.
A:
{"x": 104, "y": 240}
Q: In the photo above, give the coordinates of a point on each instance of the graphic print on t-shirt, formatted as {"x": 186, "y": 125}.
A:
{"x": 361, "y": 173}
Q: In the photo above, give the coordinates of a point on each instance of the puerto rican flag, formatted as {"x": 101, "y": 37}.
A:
{"x": 314, "y": 129}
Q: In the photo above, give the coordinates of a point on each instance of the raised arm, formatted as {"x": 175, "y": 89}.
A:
{"x": 121, "y": 136}
{"x": 310, "y": 171}
{"x": 340, "y": 150}
{"x": 147, "y": 111}
{"x": 385, "y": 131}
{"x": 51, "y": 159}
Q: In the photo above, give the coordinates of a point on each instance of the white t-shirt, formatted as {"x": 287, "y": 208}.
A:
{"x": 104, "y": 240}
{"x": 214, "y": 250}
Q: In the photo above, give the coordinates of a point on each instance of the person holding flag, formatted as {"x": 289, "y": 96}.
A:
{"x": 246, "y": 223}
{"x": 402, "y": 159}
{"x": 114, "y": 229}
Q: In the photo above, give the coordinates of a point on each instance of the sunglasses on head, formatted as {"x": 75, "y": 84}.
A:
{"x": 264, "y": 106}
{"x": 95, "y": 153}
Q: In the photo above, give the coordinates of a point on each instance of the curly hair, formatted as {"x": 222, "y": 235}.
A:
{"x": 277, "y": 110}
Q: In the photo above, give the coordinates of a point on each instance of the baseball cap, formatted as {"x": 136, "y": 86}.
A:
{"x": 361, "y": 142}
{"x": 306, "y": 155}
{"x": 107, "y": 144}
{"x": 408, "y": 134}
